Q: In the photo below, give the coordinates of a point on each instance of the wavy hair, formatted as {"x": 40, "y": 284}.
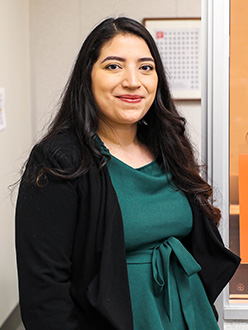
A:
{"x": 164, "y": 133}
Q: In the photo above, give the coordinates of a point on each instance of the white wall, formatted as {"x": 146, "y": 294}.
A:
{"x": 15, "y": 139}
{"x": 236, "y": 325}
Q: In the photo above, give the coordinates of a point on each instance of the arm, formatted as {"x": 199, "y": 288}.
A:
{"x": 45, "y": 224}
{"x": 205, "y": 244}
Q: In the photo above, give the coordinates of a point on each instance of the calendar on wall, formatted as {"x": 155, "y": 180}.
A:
{"x": 179, "y": 44}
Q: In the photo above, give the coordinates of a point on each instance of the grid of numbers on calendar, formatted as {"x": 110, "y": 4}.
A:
{"x": 179, "y": 49}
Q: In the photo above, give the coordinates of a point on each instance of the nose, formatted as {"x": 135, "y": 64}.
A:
{"x": 131, "y": 79}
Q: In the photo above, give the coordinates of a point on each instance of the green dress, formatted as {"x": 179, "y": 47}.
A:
{"x": 166, "y": 291}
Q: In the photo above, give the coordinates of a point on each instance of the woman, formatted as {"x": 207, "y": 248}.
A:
{"x": 113, "y": 224}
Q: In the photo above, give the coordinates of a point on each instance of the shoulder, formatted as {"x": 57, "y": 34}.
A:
{"x": 61, "y": 151}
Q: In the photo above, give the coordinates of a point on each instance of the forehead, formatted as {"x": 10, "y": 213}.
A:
{"x": 125, "y": 45}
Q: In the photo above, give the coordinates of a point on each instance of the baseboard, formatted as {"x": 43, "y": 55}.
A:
{"x": 13, "y": 321}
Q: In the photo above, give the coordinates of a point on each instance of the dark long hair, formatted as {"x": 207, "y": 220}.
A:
{"x": 165, "y": 129}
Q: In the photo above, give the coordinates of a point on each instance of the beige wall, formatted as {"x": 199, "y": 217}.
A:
{"x": 15, "y": 139}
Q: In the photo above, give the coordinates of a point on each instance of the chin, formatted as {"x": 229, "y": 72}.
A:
{"x": 131, "y": 121}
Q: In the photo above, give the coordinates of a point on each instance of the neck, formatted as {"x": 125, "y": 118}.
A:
{"x": 123, "y": 136}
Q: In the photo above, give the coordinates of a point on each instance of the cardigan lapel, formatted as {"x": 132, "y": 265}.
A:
{"x": 206, "y": 246}
{"x": 109, "y": 290}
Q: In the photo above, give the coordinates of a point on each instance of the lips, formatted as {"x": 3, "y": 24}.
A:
{"x": 130, "y": 98}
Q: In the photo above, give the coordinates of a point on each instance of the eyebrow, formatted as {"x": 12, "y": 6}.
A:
{"x": 121, "y": 59}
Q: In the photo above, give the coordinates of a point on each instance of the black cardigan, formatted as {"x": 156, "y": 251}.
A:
{"x": 71, "y": 252}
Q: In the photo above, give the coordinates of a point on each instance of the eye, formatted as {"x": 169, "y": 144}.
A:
{"x": 112, "y": 67}
{"x": 147, "y": 67}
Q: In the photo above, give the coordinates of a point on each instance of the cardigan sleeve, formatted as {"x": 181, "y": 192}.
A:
{"x": 45, "y": 223}
{"x": 205, "y": 244}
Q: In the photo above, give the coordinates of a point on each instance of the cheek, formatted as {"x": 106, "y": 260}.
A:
{"x": 153, "y": 89}
{"x": 104, "y": 86}
{"x": 152, "y": 85}
{"x": 155, "y": 84}
{"x": 102, "y": 95}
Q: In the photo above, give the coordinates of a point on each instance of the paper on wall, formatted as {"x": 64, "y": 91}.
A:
{"x": 2, "y": 109}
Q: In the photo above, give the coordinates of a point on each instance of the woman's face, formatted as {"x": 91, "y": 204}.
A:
{"x": 124, "y": 80}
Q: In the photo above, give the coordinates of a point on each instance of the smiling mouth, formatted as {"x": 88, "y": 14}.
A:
{"x": 130, "y": 98}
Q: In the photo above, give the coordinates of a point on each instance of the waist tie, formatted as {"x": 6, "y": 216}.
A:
{"x": 183, "y": 267}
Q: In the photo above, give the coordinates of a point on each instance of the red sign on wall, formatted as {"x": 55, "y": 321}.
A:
{"x": 159, "y": 34}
